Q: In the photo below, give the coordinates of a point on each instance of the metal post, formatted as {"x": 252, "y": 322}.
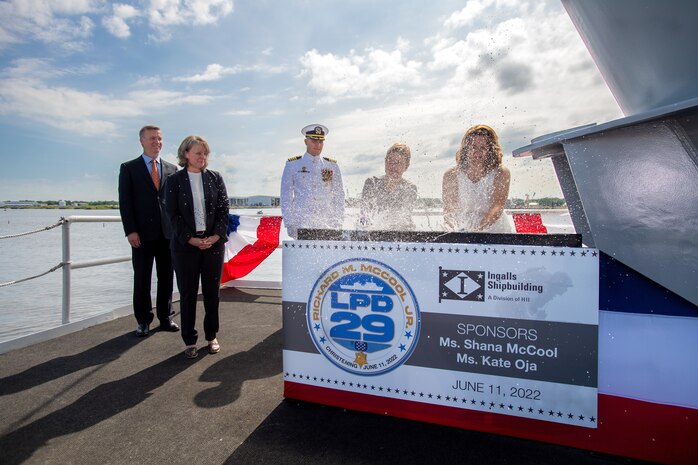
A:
{"x": 66, "y": 270}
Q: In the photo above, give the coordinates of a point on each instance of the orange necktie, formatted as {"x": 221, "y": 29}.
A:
{"x": 156, "y": 175}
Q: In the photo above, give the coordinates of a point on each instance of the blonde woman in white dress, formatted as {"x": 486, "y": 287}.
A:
{"x": 475, "y": 191}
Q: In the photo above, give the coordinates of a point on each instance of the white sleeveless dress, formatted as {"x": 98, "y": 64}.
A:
{"x": 474, "y": 203}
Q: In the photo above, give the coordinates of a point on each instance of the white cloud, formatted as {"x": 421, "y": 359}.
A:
{"x": 69, "y": 23}
{"x": 213, "y": 72}
{"x": 25, "y": 92}
{"x": 158, "y": 98}
{"x": 374, "y": 74}
{"x": 37, "y": 68}
{"x": 63, "y": 107}
{"x": 7, "y": 37}
{"x": 216, "y": 72}
{"x": 116, "y": 23}
{"x": 242, "y": 179}
{"x": 165, "y": 13}
{"x": 62, "y": 22}
{"x": 44, "y": 10}
{"x": 34, "y": 67}
{"x": 482, "y": 48}
{"x": 472, "y": 10}
{"x": 485, "y": 11}
{"x": 239, "y": 113}
{"x": 147, "y": 81}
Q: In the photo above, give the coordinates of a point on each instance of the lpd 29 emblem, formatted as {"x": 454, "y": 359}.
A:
{"x": 363, "y": 316}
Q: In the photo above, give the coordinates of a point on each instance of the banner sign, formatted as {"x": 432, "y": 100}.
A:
{"x": 497, "y": 328}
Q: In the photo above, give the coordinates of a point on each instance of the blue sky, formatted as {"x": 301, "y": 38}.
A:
{"x": 78, "y": 78}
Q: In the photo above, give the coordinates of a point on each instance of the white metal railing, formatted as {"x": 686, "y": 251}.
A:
{"x": 68, "y": 264}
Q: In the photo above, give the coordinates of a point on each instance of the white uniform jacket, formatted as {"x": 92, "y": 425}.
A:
{"x": 312, "y": 194}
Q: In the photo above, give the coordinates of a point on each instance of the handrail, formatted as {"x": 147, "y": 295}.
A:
{"x": 68, "y": 265}
{"x": 26, "y": 233}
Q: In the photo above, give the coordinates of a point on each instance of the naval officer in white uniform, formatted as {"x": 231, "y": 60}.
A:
{"x": 312, "y": 194}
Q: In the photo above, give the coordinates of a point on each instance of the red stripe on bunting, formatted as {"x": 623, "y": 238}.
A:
{"x": 250, "y": 256}
{"x": 626, "y": 427}
{"x": 529, "y": 223}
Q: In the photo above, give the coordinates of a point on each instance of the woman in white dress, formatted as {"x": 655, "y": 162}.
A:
{"x": 475, "y": 191}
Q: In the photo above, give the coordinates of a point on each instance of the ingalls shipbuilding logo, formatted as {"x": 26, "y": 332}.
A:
{"x": 363, "y": 317}
{"x": 472, "y": 285}
{"x": 461, "y": 285}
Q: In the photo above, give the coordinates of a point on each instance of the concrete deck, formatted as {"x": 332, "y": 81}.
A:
{"x": 104, "y": 396}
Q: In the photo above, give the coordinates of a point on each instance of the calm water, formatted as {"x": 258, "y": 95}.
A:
{"x": 35, "y": 305}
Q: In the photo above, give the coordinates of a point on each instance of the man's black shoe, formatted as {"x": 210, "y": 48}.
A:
{"x": 170, "y": 326}
{"x": 142, "y": 330}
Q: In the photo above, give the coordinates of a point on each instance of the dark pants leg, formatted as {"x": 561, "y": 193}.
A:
{"x": 187, "y": 265}
{"x": 165, "y": 273}
{"x": 142, "y": 261}
{"x": 211, "y": 269}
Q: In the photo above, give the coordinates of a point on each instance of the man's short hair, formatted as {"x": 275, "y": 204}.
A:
{"x": 147, "y": 128}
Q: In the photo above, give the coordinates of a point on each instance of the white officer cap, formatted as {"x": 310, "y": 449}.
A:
{"x": 315, "y": 131}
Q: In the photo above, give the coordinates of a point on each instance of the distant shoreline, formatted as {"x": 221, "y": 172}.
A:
{"x": 63, "y": 207}
{"x": 95, "y": 207}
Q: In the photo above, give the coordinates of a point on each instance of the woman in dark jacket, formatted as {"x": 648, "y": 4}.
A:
{"x": 196, "y": 204}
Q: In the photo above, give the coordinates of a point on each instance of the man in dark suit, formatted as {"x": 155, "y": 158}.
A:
{"x": 147, "y": 230}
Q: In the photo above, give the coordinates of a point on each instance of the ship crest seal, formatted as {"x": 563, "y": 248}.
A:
{"x": 363, "y": 317}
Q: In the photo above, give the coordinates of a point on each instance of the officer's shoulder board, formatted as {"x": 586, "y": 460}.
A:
{"x": 295, "y": 158}
{"x": 329, "y": 159}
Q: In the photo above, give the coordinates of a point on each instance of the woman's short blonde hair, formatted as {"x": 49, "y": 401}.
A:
{"x": 186, "y": 145}
{"x": 401, "y": 149}
{"x": 495, "y": 150}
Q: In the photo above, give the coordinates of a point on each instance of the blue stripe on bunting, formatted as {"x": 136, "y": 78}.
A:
{"x": 622, "y": 289}
{"x": 233, "y": 223}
